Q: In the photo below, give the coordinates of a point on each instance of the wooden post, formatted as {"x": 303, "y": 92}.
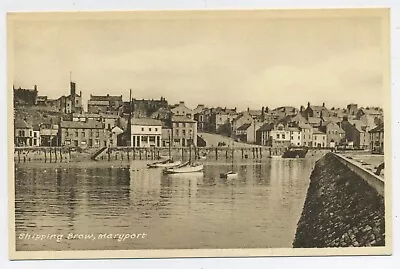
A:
{"x": 134, "y": 154}
{"x": 140, "y": 154}
{"x": 182, "y": 154}
{"x": 145, "y": 152}
{"x": 242, "y": 154}
{"x": 61, "y": 155}
{"x": 19, "y": 157}
{"x": 55, "y": 154}
{"x": 127, "y": 154}
{"x": 24, "y": 158}
{"x": 261, "y": 153}
{"x": 226, "y": 154}
{"x": 50, "y": 154}
{"x": 109, "y": 154}
{"x": 116, "y": 156}
{"x": 216, "y": 153}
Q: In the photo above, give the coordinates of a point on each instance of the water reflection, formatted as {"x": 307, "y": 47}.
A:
{"x": 259, "y": 208}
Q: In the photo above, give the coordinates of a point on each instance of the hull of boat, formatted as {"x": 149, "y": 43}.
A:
{"x": 295, "y": 153}
{"x": 165, "y": 165}
{"x": 229, "y": 175}
{"x": 185, "y": 169}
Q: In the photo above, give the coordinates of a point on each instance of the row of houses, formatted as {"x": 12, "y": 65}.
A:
{"x": 110, "y": 121}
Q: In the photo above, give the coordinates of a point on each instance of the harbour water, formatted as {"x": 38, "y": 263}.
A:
{"x": 121, "y": 205}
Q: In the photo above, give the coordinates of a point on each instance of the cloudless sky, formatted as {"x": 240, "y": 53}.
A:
{"x": 233, "y": 59}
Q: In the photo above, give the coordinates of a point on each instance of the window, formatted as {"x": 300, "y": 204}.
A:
{"x": 183, "y": 124}
{"x": 177, "y": 132}
{"x": 34, "y": 134}
{"x": 110, "y": 135}
{"x": 144, "y": 138}
{"x": 76, "y": 133}
{"x": 183, "y": 132}
{"x": 21, "y": 132}
{"x": 283, "y": 136}
{"x": 149, "y": 129}
{"x": 83, "y": 134}
{"x": 277, "y": 136}
{"x": 30, "y": 133}
{"x": 156, "y": 129}
{"x": 315, "y": 138}
{"x": 298, "y": 138}
{"x": 97, "y": 133}
{"x": 111, "y": 141}
{"x": 142, "y": 129}
{"x": 291, "y": 137}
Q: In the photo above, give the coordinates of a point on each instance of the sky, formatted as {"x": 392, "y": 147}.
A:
{"x": 235, "y": 60}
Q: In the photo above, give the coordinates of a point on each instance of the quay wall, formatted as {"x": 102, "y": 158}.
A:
{"x": 341, "y": 209}
{"x": 61, "y": 154}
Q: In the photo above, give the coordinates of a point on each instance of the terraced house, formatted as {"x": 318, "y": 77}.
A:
{"x": 184, "y": 131}
{"x": 84, "y": 134}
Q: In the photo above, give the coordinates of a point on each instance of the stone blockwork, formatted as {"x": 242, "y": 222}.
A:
{"x": 340, "y": 210}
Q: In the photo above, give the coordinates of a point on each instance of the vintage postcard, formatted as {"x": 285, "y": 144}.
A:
{"x": 199, "y": 133}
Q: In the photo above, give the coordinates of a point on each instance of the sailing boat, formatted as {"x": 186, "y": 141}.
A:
{"x": 189, "y": 168}
{"x": 231, "y": 174}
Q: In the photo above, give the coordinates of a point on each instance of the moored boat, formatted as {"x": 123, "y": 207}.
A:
{"x": 167, "y": 164}
{"x": 186, "y": 169}
{"x": 295, "y": 153}
{"x": 229, "y": 175}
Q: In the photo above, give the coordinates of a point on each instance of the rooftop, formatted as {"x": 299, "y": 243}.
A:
{"x": 145, "y": 122}
{"x": 244, "y": 127}
{"x": 90, "y": 124}
{"x": 176, "y": 118}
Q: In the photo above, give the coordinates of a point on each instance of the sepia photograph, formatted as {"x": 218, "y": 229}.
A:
{"x": 199, "y": 133}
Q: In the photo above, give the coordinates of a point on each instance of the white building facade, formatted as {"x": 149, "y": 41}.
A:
{"x": 146, "y": 133}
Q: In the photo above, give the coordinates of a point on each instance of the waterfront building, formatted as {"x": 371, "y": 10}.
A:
{"x": 377, "y": 139}
{"x": 306, "y": 131}
{"x": 280, "y": 136}
{"x": 35, "y": 135}
{"x": 146, "y": 132}
{"x": 83, "y": 134}
{"x": 357, "y": 132}
{"x": 319, "y": 139}
{"x": 184, "y": 131}
{"x": 23, "y": 133}
{"x": 182, "y": 110}
{"x": 202, "y": 115}
{"x": 48, "y": 134}
{"x": 295, "y": 136}
{"x": 335, "y": 135}
{"x": 263, "y": 136}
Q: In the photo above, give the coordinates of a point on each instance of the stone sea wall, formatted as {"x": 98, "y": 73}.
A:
{"x": 340, "y": 210}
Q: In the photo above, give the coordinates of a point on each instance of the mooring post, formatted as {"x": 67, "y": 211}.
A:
{"x": 260, "y": 152}
{"x": 253, "y": 152}
{"x": 109, "y": 154}
{"x": 140, "y": 154}
{"x": 216, "y": 153}
{"x": 55, "y": 154}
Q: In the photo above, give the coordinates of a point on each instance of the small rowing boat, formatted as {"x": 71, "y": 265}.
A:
{"x": 185, "y": 169}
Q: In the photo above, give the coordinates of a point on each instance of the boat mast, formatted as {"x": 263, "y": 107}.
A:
{"x": 169, "y": 144}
